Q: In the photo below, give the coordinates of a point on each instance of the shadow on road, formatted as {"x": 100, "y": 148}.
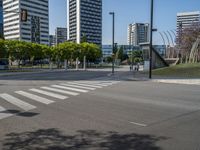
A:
{"x": 53, "y": 139}
{"x": 19, "y": 113}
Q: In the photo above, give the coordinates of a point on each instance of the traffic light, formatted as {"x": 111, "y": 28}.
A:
{"x": 24, "y": 15}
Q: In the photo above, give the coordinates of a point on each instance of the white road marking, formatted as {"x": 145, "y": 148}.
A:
{"x": 93, "y": 86}
{"x": 139, "y": 124}
{"x": 69, "y": 88}
{"x": 3, "y": 113}
{"x": 58, "y": 96}
{"x": 98, "y": 83}
{"x": 15, "y": 101}
{"x": 95, "y": 82}
{"x": 35, "y": 97}
{"x": 60, "y": 91}
{"x": 77, "y": 86}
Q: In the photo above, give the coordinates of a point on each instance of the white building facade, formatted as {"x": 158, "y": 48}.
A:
{"x": 35, "y": 30}
{"x": 186, "y": 19}
{"x": 84, "y": 19}
{"x": 138, "y": 33}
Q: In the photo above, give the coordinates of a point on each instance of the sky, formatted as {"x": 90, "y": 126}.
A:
{"x": 128, "y": 11}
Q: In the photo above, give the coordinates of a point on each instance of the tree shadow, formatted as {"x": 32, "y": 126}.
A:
{"x": 53, "y": 139}
{"x": 19, "y": 113}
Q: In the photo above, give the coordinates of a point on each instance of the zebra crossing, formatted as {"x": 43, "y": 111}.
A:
{"x": 55, "y": 92}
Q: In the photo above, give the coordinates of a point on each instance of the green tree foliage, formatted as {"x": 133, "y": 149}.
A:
{"x": 84, "y": 38}
{"x": 109, "y": 59}
{"x": 3, "y": 50}
{"x": 136, "y": 56}
{"x": 91, "y": 51}
{"x": 24, "y": 51}
{"x": 120, "y": 54}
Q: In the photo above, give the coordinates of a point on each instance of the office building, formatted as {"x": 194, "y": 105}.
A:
{"x": 84, "y": 20}
{"x": 138, "y": 33}
{"x": 1, "y": 18}
{"x": 127, "y": 49}
{"x": 35, "y": 29}
{"x": 186, "y": 19}
{"x": 60, "y": 35}
{"x": 52, "y": 40}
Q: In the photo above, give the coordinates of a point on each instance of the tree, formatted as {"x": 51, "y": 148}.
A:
{"x": 109, "y": 59}
{"x": 136, "y": 56}
{"x": 47, "y": 52}
{"x": 84, "y": 38}
{"x": 3, "y": 50}
{"x": 186, "y": 38}
{"x": 120, "y": 54}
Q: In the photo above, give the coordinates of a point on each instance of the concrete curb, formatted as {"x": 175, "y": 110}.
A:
{"x": 179, "y": 81}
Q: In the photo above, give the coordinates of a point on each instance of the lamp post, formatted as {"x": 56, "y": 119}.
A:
{"x": 151, "y": 40}
{"x": 180, "y": 38}
{"x": 113, "y": 38}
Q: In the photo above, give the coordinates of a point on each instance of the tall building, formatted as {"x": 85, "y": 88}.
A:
{"x": 186, "y": 19}
{"x": 52, "y": 40}
{"x": 138, "y": 33}
{"x": 84, "y": 20}
{"x": 36, "y": 29}
{"x": 61, "y": 35}
{"x": 1, "y": 18}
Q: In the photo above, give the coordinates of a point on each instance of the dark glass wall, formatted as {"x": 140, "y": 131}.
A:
{"x": 1, "y": 18}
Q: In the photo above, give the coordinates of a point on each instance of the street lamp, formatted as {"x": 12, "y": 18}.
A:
{"x": 180, "y": 38}
{"x": 151, "y": 40}
{"x": 113, "y": 38}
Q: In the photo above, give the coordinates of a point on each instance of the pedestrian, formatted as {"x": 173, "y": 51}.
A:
{"x": 135, "y": 68}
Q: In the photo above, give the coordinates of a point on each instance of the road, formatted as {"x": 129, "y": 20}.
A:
{"x": 92, "y": 111}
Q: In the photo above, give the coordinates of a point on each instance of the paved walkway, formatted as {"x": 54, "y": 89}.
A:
{"x": 141, "y": 76}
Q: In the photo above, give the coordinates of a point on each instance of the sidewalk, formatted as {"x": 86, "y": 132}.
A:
{"x": 141, "y": 76}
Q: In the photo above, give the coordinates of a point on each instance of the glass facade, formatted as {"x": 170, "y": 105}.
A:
{"x": 85, "y": 21}
{"x": 1, "y": 18}
{"x": 91, "y": 18}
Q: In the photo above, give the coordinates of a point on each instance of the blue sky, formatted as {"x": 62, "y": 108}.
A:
{"x": 129, "y": 11}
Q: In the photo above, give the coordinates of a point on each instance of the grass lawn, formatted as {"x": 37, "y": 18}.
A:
{"x": 182, "y": 70}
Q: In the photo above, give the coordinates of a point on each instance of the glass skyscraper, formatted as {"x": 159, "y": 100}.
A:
{"x": 84, "y": 20}
{"x": 138, "y": 33}
{"x": 1, "y": 18}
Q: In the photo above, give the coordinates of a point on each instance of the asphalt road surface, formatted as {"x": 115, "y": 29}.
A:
{"x": 92, "y": 111}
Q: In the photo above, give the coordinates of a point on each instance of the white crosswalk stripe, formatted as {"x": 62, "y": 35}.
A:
{"x": 35, "y": 97}
{"x": 95, "y": 82}
{"x": 3, "y": 113}
{"x": 69, "y": 88}
{"x": 54, "y": 95}
{"x": 60, "y": 91}
{"x": 98, "y": 82}
{"x": 17, "y": 102}
{"x": 64, "y": 88}
{"x": 77, "y": 86}
{"x": 90, "y": 83}
{"x": 93, "y": 86}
